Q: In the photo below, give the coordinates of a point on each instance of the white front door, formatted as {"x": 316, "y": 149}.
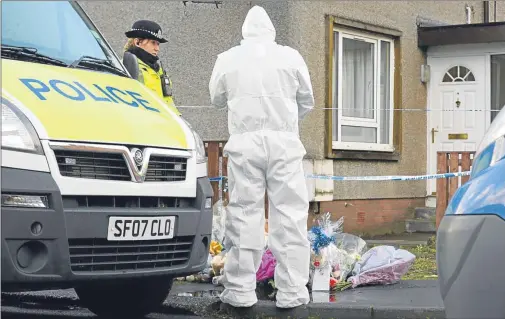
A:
{"x": 457, "y": 99}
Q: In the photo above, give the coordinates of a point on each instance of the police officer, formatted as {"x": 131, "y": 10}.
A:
{"x": 142, "y": 61}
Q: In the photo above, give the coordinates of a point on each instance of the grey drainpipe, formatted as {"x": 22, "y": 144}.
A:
{"x": 486, "y": 11}
{"x": 495, "y": 11}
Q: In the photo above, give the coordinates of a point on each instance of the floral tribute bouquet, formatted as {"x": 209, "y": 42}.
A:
{"x": 381, "y": 265}
{"x": 323, "y": 241}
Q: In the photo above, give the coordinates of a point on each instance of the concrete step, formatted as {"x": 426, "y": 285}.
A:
{"x": 420, "y": 226}
{"x": 431, "y": 201}
{"x": 395, "y": 242}
{"x": 424, "y": 213}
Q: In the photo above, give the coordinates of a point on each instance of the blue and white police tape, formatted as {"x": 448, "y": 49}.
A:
{"x": 421, "y": 109}
{"x": 373, "y": 178}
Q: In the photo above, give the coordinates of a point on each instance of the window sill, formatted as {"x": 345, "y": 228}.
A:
{"x": 365, "y": 155}
{"x": 362, "y": 147}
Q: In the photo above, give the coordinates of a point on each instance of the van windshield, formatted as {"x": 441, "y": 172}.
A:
{"x": 56, "y": 29}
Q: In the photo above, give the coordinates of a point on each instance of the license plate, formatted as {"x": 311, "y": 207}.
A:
{"x": 140, "y": 228}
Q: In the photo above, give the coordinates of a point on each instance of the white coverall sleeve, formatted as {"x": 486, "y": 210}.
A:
{"x": 304, "y": 95}
{"x": 217, "y": 86}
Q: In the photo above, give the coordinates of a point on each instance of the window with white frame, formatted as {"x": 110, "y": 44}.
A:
{"x": 363, "y": 73}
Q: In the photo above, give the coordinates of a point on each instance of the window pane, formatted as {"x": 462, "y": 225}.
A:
{"x": 334, "y": 111}
{"x": 497, "y": 84}
{"x": 359, "y": 134}
{"x": 53, "y": 28}
{"x": 447, "y": 78}
{"x": 385, "y": 89}
{"x": 454, "y": 72}
{"x": 358, "y": 84}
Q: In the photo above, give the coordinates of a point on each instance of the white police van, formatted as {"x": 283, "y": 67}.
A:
{"x": 104, "y": 186}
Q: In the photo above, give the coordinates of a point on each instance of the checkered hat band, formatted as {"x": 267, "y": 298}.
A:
{"x": 158, "y": 35}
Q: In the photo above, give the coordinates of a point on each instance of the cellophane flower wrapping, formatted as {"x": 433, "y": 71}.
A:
{"x": 343, "y": 263}
{"x": 381, "y": 265}
{"x": 347, "y": 252}
{"x": 267, "y": 267}
{"x": 218, "y": 221}
{"x": 322, "y": 243}
{"x": 322, "y": 237}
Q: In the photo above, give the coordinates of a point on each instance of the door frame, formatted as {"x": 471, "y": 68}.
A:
{"x": 459, "y": 51}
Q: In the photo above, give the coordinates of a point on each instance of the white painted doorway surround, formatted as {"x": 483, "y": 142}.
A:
{"x": 457, "y": 99}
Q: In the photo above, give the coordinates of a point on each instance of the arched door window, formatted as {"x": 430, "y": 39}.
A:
{"x": 458, "y": 74}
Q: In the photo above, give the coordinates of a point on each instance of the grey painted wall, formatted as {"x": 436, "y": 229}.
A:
{"x": 198, "y": 32}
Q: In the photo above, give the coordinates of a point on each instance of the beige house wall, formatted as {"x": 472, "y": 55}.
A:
{"x": 497, "y": 7}
{"x": 400, "y": 15}
{"x": 198, "y": 32}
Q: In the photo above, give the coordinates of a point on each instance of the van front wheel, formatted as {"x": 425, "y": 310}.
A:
{"x": 125, "y": 298}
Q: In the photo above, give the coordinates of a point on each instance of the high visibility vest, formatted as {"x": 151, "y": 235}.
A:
{"x": 152, "y": 79}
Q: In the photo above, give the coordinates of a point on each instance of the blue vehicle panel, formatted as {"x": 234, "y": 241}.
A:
{"x": 484, "y": 194}
{"x": 471, "y": 235}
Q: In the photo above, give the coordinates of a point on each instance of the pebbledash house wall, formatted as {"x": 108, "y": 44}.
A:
{"x": 196, "y": 33}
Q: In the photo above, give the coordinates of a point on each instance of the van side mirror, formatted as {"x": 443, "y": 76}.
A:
{"x": 131, "y": 63}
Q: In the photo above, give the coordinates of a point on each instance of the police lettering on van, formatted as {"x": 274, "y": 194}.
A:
{"x": 78, "y": 92}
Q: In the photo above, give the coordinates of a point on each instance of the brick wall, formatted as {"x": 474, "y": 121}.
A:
{"x": 370, "y": 217}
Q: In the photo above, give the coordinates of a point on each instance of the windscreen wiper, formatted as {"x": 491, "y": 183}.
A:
{"x": 29, "y": 53}
{"x": 97, "y": 64}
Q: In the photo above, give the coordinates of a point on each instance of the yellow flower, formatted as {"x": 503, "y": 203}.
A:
{"x": 215, "y": 248}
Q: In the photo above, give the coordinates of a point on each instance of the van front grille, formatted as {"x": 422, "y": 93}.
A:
{"x": 104, "y": 201}
{"x": 113, "y": 166}
{"x": 92, "y": 165}
{"x": 91, "y": 255}
{"x": 166, "y": 169}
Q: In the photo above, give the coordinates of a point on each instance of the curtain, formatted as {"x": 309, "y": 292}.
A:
{"x": 358, "y": 87}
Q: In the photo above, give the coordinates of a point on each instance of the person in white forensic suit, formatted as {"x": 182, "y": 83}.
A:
{"x": 267, "y": 89}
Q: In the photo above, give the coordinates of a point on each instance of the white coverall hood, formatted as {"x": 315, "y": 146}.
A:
{"x": 266, "y": 88}
{"x": 258, "y": 26}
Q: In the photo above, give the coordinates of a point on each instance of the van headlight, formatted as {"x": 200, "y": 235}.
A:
{"x": 17, "y": 132}
{"x": 199, "y": 145}
{"x": 200, "y": 149}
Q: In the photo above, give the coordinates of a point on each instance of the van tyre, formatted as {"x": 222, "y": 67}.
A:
{"x": 124, "y": 298}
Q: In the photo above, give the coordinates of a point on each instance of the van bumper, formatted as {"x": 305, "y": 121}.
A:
{"x": 470, "y": 259}
{"x": 59, "y": 246}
